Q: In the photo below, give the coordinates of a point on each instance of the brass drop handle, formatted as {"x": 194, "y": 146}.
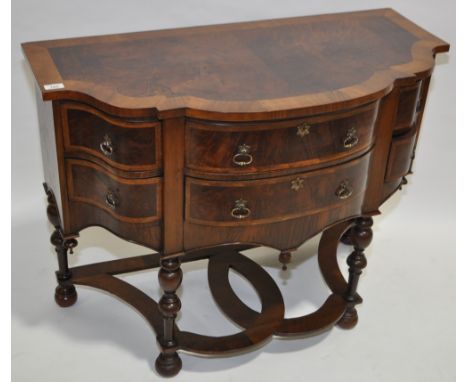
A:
{"x": 243, "y": 157}
{"x": 240, "y": 210}
{"x": 351, "y": 139}
{"x": 106, "y": 146}
{"x": 303, "y": 129}
{"x": 344, "y": 190}
{"x": 112, "y": 200}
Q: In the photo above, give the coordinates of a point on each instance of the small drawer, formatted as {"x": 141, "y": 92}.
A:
{"x": 135, "y": 201}
{"x": 242, "y": 148}
{"x": 408, "y": 107}
{"x": 124, "y": 144}
{"x": 401, "y": 153}
{"x": 275, "y": 199}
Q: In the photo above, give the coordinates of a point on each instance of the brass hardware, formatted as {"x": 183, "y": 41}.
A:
{"x": 243, "y": 157}
{"x": 344, "y": 190}
{"x": 70, "y": 244}
{"x": 240, "y": 210}
{"x": 297, "y": 184}
{"x": 112, "y": 200}
{"x": 351, "y": 138}
{"x": 106, "y": 146}
{"x": 303, "y": 129}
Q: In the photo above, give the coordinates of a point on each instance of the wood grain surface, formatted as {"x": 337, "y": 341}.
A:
{"x": 241, "y": 71}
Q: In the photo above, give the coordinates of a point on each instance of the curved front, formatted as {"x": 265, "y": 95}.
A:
{"x": 280, "y": 212}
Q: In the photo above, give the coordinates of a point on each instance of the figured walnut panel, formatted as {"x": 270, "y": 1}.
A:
{"x": 276, "y": 199}
{"x": 243, "y": 71}
{"x": 282, "y": 235}
{"x": 133, "y": 201}
{"x": 87, "y": 215}
{"x": 287, "y": 144}
{"x": 125, "y": 144}
{"x": 226, "y": 65}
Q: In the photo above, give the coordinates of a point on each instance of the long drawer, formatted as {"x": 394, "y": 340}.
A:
{"x": 244, "y": 148}
{"x": 235, "y": 203}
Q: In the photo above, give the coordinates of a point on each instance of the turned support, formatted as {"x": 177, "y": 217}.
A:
{"x": 168, "y": 362}
{"x": 65, "y": 292}
{"x": 361, "y": 237}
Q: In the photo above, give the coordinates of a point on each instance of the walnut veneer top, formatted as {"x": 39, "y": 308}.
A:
{"x": 251, "y": 70}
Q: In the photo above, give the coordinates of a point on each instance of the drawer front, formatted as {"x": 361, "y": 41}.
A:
{"x": 85, "y": 215}
{"x": 277, "y": 199}
{"x": 401, "y": 154}
{"x": 408, "y": 105}
{"x": 256, "y": 147}
{"x": 127, "y": 145}
{"x": 136, "y": 201}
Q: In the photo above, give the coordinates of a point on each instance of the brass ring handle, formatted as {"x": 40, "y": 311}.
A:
{"x": 351, "y": 139}
{"x": 240, "y": 210}
{"x": 243, "y": 157}
{"x": 344, "y": 190}
{"x": 106, "y": 146}
{"x": 112, "y": 200}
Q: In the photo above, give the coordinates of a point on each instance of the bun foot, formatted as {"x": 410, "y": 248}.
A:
{"x": 65, "y": 296}
{"x": 349, "y": 319}
{"x": 168, "y": 365}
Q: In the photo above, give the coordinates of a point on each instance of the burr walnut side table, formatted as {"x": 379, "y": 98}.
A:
{"x": 205, "y": 141}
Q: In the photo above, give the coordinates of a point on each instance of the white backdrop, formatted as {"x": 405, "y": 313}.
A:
{"x": 407, "y": 322}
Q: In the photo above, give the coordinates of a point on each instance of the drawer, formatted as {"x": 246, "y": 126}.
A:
{"x": 401, "y": 153}
{"x": 135, "y": 201}
{"x": 408, "y": 105}
{"x": 277, "y": 199}
{"x": 124, "y": 144}
{"x": 242, "y": 148}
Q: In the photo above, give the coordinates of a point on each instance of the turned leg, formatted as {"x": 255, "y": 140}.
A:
{"x": 168, "y": 362}
{"x": 65, "y": 293}
{"x": 361, "y": 236}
